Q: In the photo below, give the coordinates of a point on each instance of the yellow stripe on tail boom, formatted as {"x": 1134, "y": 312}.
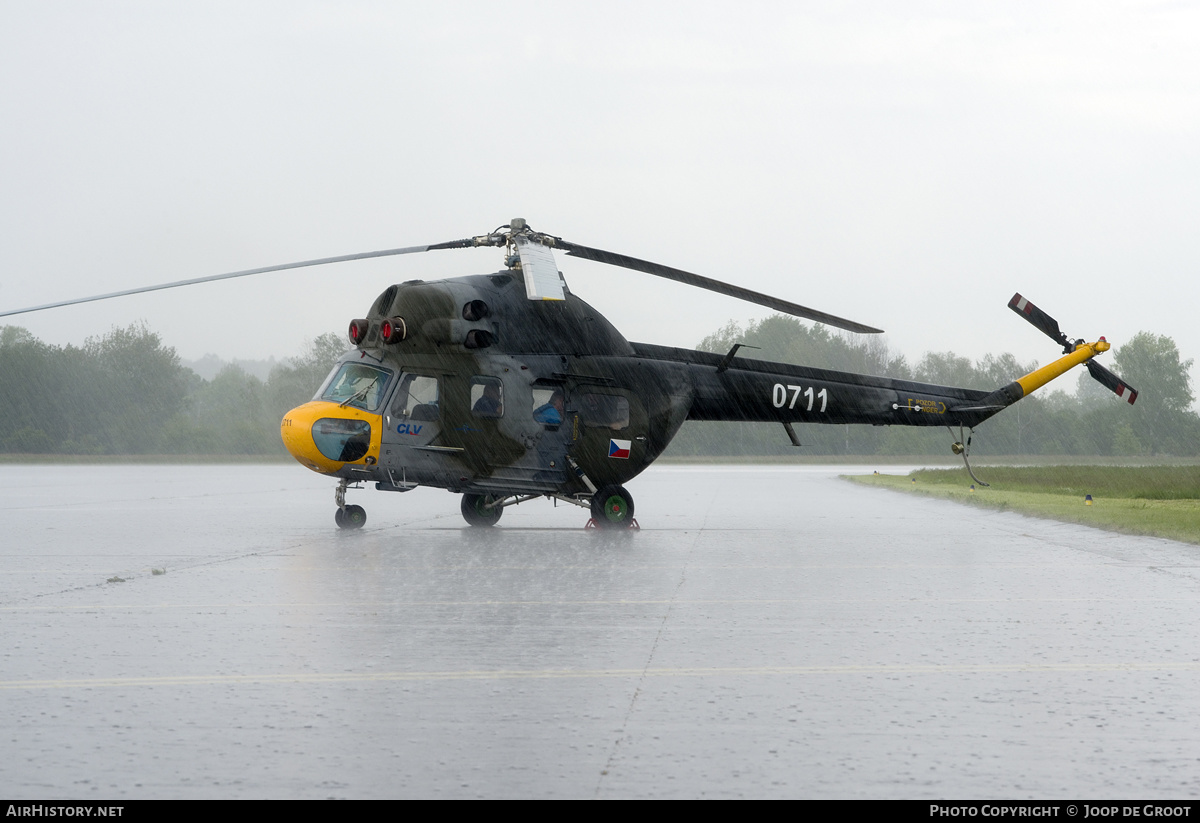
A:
{"x": 1040, "y": 377}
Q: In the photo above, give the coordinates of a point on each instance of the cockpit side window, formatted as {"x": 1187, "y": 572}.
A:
{"x": 360, "y": 385}
{"x": 417, "y": 398}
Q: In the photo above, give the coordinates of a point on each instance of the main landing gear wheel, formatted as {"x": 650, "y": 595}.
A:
{"x": 475, "y": 510}
{"x": 612, "y": 508}
{"x": 350, "y": 517}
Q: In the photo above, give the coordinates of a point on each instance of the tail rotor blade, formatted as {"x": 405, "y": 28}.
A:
{"x": 1112, "y": 382}
{"x": 1047, "y": 324}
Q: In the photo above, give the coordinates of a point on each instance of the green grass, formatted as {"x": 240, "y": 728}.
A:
{"x": 1163, "y": 501}
{"x": 1125, "y": 482}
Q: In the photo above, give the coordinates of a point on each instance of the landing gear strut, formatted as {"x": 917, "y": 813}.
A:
{"x": 347, "y": 517}
{"x": 611, "y": 507}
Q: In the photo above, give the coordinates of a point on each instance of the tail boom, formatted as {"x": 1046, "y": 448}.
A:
{"x": 1026, "y": 385}
{"x": 1040, "y": 377}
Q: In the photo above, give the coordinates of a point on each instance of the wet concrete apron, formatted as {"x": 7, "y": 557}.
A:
{"x": 769, "y": 632}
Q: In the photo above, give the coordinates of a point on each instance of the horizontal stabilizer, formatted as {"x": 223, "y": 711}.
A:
{"x": 991, "y": 407}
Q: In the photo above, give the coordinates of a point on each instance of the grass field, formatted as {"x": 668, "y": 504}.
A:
{"x": 1163, "y": 501}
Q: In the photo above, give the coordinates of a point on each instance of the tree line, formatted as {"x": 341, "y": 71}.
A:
{"x": 126, "y": 393}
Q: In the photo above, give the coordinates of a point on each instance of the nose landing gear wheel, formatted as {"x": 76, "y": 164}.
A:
{"x": 475, "y": 511}
{"x": 350, "y": 517}
{"x": 612, "y": 508}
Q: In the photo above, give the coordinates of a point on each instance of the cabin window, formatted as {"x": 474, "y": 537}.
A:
{"x": 417, "y": 398}
{"x": 548, "y": 405}
{"x": 360, "y": 385}
{"x": 604, "y": 410}
{"x": 487, "y": 397}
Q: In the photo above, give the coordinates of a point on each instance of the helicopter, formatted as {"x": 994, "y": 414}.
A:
{"x": 507, "y": 387}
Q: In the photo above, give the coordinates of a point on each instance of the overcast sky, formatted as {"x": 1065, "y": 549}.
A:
{"x": 908, "y": 165}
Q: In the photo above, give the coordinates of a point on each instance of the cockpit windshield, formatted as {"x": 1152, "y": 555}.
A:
{"x": 357, "y": 384}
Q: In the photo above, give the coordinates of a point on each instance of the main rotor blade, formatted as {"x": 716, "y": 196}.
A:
{"x": 1047, "y": 324}
{"x": 680, "y": 276}
{"x": 453, "y": 244}
{"x": 1111, "y": 381}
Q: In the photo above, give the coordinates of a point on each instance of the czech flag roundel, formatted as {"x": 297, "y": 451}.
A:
{"x": 618, "y": 448}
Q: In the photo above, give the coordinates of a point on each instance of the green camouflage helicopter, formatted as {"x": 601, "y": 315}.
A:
{"x": 506, "y": 387}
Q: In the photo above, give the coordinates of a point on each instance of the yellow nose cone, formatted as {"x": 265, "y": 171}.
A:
{"x": 325, "y": 437}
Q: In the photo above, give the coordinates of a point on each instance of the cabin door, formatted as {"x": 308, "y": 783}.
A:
{"x": 410, "y": 449}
